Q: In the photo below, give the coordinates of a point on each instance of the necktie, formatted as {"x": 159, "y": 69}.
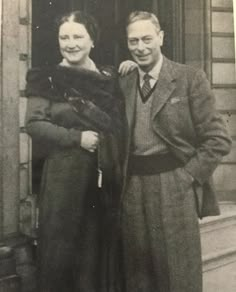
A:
{"x": 146, "y": 88}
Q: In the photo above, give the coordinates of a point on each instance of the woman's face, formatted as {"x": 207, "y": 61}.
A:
{"x": 75, "y": 42}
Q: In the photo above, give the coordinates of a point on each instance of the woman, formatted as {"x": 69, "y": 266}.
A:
{"x": 75, "y": 109}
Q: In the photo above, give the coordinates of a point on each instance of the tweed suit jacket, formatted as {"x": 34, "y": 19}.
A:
{"x": 183, "y": 114}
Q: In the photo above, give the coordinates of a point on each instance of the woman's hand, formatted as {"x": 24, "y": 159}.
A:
{"x": 126, "y": 67}
{"x": 89, "y": 140}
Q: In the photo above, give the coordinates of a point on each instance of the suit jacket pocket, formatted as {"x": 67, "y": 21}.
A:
{"x": 177, "y": 99}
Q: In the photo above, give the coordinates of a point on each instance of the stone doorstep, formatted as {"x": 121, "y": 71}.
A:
{"x": 10, "y": 284}
{"x": 10, "y": 281}
{"x": 220, "y": 280}
{"x": 25, "y": 266}
{"x": 7, "y": 262}
{"x": 217, "y": 222}
{"x": 218, "y": 233}
{"x": 7, "y": 267}
{"x": 218, "y": 238}
{"x": 219, "y": 259}
{"x": 227, "y": 209}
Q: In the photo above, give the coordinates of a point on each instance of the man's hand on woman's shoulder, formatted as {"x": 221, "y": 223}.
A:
{"x": 126, "y": 67}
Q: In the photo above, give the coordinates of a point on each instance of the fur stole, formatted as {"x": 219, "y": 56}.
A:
{"x": 94, "y": 96}
{"x": 56, "y": 81}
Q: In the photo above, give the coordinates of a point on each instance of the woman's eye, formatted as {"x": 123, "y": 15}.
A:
{"x": 78, "y": 37}
{"x": 63, "y": 37}
{"x": 133, "y": 42}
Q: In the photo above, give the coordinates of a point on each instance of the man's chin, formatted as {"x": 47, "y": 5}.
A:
{"x": 144, "y": 65}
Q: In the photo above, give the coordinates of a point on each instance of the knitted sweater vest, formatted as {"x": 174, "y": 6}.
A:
{"x": 145, "y": 140}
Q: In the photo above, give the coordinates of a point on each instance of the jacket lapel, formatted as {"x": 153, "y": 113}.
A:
{"x": 165, "y": 86}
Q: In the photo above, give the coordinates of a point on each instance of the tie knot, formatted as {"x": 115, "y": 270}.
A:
{"x": 146, "y": 77}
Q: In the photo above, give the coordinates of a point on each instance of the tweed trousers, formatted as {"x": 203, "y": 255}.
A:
{"x": 160, "y": 235}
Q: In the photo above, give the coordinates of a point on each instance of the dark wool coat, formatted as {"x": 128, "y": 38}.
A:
{"x": 77, "y": 219}
{"x": 160, "y": 230}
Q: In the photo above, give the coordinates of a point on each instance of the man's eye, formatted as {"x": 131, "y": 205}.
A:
{"x": 147, "y": 40}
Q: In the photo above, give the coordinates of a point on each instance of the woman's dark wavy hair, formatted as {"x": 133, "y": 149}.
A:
{"x": 81, "y": 17}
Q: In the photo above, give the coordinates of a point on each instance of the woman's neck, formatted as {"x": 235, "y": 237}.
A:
{"x": 88, "y": 64}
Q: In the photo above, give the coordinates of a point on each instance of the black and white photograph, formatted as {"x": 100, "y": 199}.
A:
{"x": 118, "y": 146}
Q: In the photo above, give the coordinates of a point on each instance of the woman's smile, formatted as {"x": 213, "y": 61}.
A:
{"x": 75, "y": 43}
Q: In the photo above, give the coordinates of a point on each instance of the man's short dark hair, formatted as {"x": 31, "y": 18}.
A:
{"x": 143, "y": 15}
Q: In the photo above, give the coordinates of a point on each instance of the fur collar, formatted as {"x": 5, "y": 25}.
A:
{"x": 56, "y": 82}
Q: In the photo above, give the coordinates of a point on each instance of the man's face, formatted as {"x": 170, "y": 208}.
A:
{"x": 144, "y": 43}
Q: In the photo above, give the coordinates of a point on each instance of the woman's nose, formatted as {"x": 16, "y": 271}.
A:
{"x": 71, "y": 43}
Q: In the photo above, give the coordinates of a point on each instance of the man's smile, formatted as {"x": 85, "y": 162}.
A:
{"x": 142, "y": 56}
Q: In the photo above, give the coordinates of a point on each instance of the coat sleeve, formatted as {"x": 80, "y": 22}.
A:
{"x": 40, "y": 127}
{"x": 213, "y": 139}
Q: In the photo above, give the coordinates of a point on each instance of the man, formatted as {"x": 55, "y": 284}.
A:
{"x": 175, "y": 140}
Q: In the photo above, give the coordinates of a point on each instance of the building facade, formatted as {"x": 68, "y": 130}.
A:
{"x": 199, "y": 33}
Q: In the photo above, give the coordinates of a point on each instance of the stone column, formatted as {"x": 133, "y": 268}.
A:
{"x": 9, "y": 121}
{"x": 9, "y": 144}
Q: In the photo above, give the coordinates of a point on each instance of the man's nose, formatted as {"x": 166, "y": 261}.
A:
{"x": 141, "y": 46}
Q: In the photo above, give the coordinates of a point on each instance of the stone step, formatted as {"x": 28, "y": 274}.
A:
{"x": 218, "y": 238}
{"x": 10, "y": 284}
{"x": 219, "y": 232}
{"x": 9, "y": 280}
{"x": 217, "y": 222}
{"x": 228, "y": 215}
{"x": 222, "y": 279}
{"x": 215, "y": 260}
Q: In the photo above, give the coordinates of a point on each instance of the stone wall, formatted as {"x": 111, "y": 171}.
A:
{"x": 223, "y": 79}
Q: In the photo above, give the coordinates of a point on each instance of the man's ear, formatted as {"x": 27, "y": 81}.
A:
{"x": 161, "y": 37}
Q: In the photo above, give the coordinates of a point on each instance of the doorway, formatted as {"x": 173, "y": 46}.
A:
{"x": 111, "y": 16}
